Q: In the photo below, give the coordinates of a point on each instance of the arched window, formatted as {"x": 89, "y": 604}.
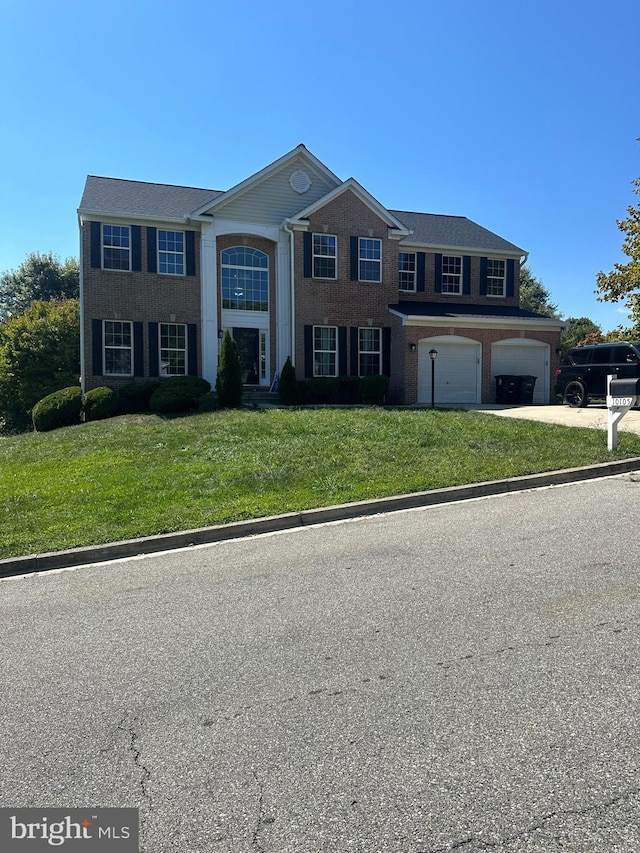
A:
{"x": 245, "y": 279}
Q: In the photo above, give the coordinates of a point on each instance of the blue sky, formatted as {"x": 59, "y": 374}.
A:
{"x": 521, "y": 114}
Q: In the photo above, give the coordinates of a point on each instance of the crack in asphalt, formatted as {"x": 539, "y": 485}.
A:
{"x": 255, "y": 841}
{"x": 494, "y": 845}
{"x": 129, "y": 729}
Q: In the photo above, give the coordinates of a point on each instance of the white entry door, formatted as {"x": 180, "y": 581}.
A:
{"x": 457, "y": 370}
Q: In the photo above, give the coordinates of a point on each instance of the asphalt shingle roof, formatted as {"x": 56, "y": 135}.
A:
{"x": 118, "y": 197}
{"x": 434, "y": 229}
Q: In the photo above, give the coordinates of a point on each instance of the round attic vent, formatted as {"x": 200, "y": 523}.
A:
{"x": 300, "y": 181}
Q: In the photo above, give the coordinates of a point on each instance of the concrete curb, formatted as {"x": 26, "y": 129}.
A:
{"x": 269, "y": 524}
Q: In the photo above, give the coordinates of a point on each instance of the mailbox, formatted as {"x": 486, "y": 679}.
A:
{"x": 625, "y": 387}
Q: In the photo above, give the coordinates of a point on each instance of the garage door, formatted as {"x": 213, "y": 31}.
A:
{"x": 521, "y": 357}
{"x": 457, "y": 370}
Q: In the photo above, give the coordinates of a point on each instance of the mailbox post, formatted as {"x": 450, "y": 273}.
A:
{"x": 622, "y": 394}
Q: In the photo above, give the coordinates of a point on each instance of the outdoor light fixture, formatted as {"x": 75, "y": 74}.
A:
{"x": 433, "y": 354}
{"x": 412, "y": 347}
{"x": 220, "y": 334}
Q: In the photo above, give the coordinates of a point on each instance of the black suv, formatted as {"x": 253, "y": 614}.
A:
{"x": 584, "y": 370}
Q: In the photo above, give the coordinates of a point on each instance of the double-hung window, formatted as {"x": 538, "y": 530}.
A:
{"x": 325, "y": 350}
{"x": 369, "y": 259}
{"x": 173, "y": 349}
{"x": 171, "y": 252}
{"x": 407, "y": 271}
{"x": 116, "y": 247}
{"x": 118, "y": 348}
{"x": 324, "y": 255}
{"x": 451, "y": 274}
{"x": 496, "y": 277}
{"x": 369, "y": 352}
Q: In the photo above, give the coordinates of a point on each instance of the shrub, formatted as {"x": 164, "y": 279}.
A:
{"x": 62, "y": 408}
{"x": 229, "y": 380}
{"x": 288, "y": 385}
{"x": 373, "y": 389}
{"x": 99, "y": 403}
{"x": 323, "y": 389}
{"x": 349, "y": 389}
{"x": 179, "y": 394}
{"x": 135, "y": 396}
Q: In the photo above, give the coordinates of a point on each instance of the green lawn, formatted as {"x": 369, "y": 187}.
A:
{"x": 141, "y": 474}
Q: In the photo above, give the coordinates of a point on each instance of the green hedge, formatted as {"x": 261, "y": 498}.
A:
{"x": 179, "y": 394}
{"x": 99, "y": 403}
{"x": 62, "y": 408}
{"x": 135, "y": 396}
{"x": 343, "y": 390}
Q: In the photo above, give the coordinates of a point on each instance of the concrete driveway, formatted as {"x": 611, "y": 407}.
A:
{"x": 592, "y": 416}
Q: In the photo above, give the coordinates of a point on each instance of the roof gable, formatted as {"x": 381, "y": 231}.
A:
{"x": 351, "y": 185}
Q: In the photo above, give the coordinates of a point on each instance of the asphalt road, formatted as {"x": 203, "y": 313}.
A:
{"x": 458, "y": 677}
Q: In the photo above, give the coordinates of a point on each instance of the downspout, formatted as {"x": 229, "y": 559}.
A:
{"x": 292, "y": 283}
{"x": 81, "y": 294}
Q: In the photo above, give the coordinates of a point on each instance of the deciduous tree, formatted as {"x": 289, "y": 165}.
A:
{"x": 534, "y": 296}
{"x": 39, "y": 277}
{"x": 623, "y": 282}
{"x": 39, "y": 354}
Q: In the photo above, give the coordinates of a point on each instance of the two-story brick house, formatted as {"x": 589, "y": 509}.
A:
{"x": 294, "y": 261}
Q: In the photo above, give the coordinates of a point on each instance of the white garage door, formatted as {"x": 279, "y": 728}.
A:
{"x": 521, "y": 357}
{"x": 457, "y": 370}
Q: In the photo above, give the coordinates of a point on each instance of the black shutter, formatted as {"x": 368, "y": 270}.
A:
{"x": 386, "y": 351}
{"x": 96, "y": 348}
{"x": 308, "y": 351}
{"x": 190, "y": 252}
{"x": 138, "y": 353}
{"x": 438, "y": 272}
{"x": 342, "y": 350}
{"x": 353, "y": 260}
{"x": 307, "y": 253}
{"x": 483, "y": 276}
{"x": 511, "y": 277}
{"x": 136, "y": 248}
{"x": 96, "y": 245}
{"x": 192, "y": 349}
{"x": 466, "y": 274}
{"x": 355, "y": 347}
{"x": 154, "y": 351}
{"x": 420, "y": 258}
{"x": 152, "y": 251}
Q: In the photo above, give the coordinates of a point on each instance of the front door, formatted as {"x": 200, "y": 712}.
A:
{"x": 248, "y": 343}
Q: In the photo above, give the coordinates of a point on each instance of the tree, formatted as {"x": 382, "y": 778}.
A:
{"x": 623, "y": 282}
{"x": 288, "y": 385}
{"x": 577, "y": 331}
{"x": 229, "y": 380}
{"x": 39, "y": 277}
{"x": 39, "y": 354}
{"x": 534, "y": 296}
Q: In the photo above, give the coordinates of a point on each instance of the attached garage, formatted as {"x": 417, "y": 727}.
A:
{"x": 458, "y": 370}
{"x": 522, "y": 357}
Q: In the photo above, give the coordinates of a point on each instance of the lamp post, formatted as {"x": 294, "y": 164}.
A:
{"x": 433, "y": 354}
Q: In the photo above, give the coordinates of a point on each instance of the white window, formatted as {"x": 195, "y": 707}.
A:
{"x": 116, "y": 247}
{"x": 325, "y": 350}
{"x": 118, "y": 348}
{"x": 324, "y": 255}
{"x": 451, "y": 274}
{"x": 496, "y": 277}
{"x": 245, "y": 279}
{"x": 407, "y": 271}
{"x": 369, "y": 259}
{"x": 173, "y": 349}
{"x": 171, "y": 252}
{"x": 369, "y": 352}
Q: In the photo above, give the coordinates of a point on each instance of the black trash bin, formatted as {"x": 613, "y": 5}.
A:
{"x": 508, "y": 389}
{"x": 527, "y": 385}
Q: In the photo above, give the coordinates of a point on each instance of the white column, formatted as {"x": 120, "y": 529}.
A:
{"x": 209, "y": 301}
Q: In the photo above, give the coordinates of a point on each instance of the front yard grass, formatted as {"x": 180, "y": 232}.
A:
{"x": 141, "y": 474}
